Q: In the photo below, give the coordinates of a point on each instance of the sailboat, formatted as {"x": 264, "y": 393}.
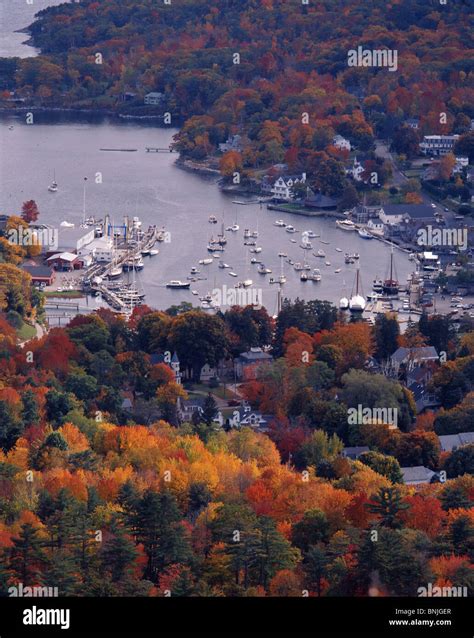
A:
{"x": 115, "y": 269}
{"x": 344, "y": 301}
{"x": 357, "y": 302}
{"x": 53, "y": 187}
{"x": 221, "y": 238}
{"x": 391, "y": 284}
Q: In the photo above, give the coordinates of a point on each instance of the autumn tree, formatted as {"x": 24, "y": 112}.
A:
{"x": 29, "y": 211}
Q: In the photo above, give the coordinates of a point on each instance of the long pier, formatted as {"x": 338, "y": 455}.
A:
{"x": 159, "y": 149}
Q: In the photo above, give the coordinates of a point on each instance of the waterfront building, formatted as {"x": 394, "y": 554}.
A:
{"x": 72, "y": 239}
{"x": 65, "y": 261}
{"x": 438, "y": 144}
{"x": 283, "y": 186}
{"x": 154, "y": 98}
{"x": 41, "y": 275}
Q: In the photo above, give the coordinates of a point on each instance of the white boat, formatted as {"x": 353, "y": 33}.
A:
{"x": 282, "y": 279}
{"x": 304, "y": 276}
{"x": 154, "y": 252}
{"x": 345, "y": 224}
{"x": 320, "y": 253}
{"x": 11, "y": 127}
{"x": 258, "y": 249}
{"x": 194, "y": 292}
{"x": 310, "y": 234}
{"x": 247, "y": 233}
{"x": 298, "y": 266}
{"x": 338, "y": 270}
{"x": 293, "y": 241}
{"x": 234, "y": 228}
{"x": 194, "y": 270}
{"x": 364, "y": 234}
{"x": 263, "y": 270}
{"x": 357, "y": 302}
{"x": 176, "y": 283}
{"x": 328, "y": 263}
{"x": 290, "y": 229}
{"x": 53, "y": 187}
{"x": 306, "y": 245}
{"x": 254, "y": 260}
{"x": 222, "y": 264}
{"x": 344, "y": 303}
{"x": 280, "y": 223}
{"x": 377, "y": 285}
{"x": 206, "y": 262}
{"x": 212, "y": 219}
{"x": 115, "y": 272}
{"x": 215, "y": 248}
{"x": 315, "y": 275}
{"x": 244, "y": 284}
{"x": 232, "y": 274}
{"x": 339, "y": 250}
{"x": 282, "y": 255}
{"x": 145, "y": 252}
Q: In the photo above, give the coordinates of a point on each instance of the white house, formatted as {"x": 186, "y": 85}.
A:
{"x": 356, "y": 170}
{"x": 375, "y": 226}
{"x": 282, "y": 187}
{"x": 341, "y": 143}
{"x": 438, "y": 144}
{"x": 154, "y": 98}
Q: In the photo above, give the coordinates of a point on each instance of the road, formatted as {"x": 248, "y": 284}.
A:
{"x": 399, "y": 179}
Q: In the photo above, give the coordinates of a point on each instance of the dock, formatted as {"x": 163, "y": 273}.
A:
{"x": 102, "y": 270}
{"x": 159, "y": 149}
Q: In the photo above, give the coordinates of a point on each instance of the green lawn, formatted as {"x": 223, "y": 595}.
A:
{"x": 65, "y": 294}
{"x": 26, "y": 332}
{"x": 203, "y": 388}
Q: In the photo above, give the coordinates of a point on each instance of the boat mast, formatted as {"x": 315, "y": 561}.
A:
{"x": 84, "y": 202}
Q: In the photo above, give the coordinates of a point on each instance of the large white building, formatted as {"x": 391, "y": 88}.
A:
{"x": 438, "y": 144}
{"x": 101, "y": 249}
{"x": 283, "y": 185}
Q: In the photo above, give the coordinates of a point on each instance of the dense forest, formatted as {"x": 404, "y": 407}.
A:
{"x": 257, "y": 68}
{"x": 99, "y": 498}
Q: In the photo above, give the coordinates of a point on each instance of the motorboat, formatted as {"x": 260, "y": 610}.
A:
{"x": 346, "y": 224}
{"x": 154, "y": 252}
{"x": 304, "y": 276}
{"x": 364, "y": 234}
{"x": 212, "y": 219}
{"x": 290, "y": 229}
{"x": 176, "y": 283}
{"x": 206, "y": 262}
{"x": 280, "y": 223}
{"x": 232, "y": 274}
{"x": 315, "y": 275}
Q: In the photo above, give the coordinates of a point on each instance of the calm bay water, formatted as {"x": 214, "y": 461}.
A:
{"x": 19, "y": 14}
{"x": 151, "y": 186}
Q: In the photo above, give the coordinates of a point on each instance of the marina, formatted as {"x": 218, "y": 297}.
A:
{"x": 165, "y": 197}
